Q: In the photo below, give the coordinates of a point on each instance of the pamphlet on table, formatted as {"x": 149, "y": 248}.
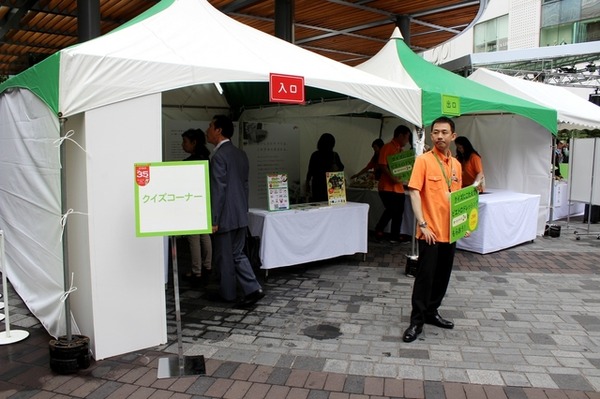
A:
{"x": 336, "y": 188}
{"x": 277, "y": 188}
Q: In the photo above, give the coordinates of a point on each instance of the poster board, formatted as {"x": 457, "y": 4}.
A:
{"x": 401, "y": 164}
{"x": 277, "y": 187}
{"x": 584, "y": 170}
{"x": 172, "y": 198}
{"x": 336, "y": 188}
{"x": 464, "y": 212}
{"x": 271, "y": 148}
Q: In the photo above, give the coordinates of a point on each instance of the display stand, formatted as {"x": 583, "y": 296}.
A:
{"x": 169, "y": 367}
{"x": 585, "y": 177}
{"x": 8, "y": 336}
{"x": 182, "y": 214}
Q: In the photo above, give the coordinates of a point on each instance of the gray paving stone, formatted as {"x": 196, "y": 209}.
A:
{"x": 278, "y": 376}
{"x": 570, "y": 381}
{"x": 311, "y": 363}
{"x": 434, "y": 390}
{"x": 489, "y": 377}
{"x": 515, "y": 379}
{"x": 354, "y": 384}
{"x": 515, "y": 393}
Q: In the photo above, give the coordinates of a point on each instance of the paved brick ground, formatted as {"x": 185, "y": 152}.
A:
{"x": 527, "y": 326}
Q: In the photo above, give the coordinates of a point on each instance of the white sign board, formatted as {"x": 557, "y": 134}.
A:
{"x": 584, "y": 170}
{"x": 172, "y": 198}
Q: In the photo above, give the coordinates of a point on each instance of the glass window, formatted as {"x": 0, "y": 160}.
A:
{"x": 549, "y": 36}
{"x": 565, "y": 34}
{"x": 569, "y": 21}
{"x": 570, "y": 11}
{"x": 550, "y": 14}
{"x": 491, "y": 35}
{"x": 590, "y": 9}
{"x": 587, "y": 31}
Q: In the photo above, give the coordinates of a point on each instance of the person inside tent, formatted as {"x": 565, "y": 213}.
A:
{"x": 373, "y": 164}
{"x": 194, "y": 143}
{"x": 470, "y": 160}
{"x": 322, "y": 161}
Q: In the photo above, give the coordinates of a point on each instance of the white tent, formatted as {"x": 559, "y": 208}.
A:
{"x": 573, "y": 111}
{"x": 516, "y": 148}
{"x": 108, "y": 92}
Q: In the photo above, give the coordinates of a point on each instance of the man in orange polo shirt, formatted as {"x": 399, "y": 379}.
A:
{"x": 390, "y": 188}
{"x": 435, "y": 174}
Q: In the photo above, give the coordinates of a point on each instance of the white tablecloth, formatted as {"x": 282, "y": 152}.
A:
{"x": 299, "y": 236}
{"x": 376, "y": 208}
{"x": 506, "y": 219}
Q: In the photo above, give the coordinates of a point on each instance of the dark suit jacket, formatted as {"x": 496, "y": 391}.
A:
{"x": 229, "y": 188}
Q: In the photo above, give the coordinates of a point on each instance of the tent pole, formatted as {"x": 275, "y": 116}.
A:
{"x": 63, "y": 201}
{"x": 551, "y": 215}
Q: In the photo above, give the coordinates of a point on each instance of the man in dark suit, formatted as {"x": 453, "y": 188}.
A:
{"x": 229, "y": 206}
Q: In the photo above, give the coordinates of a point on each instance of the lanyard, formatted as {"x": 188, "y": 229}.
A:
{"x": 448, "y": 179}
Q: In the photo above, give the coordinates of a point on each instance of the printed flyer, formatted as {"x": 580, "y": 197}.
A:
{"x": 336, "y": 188}
{"x": 464, "y": 212}
{"x": 277, "y": 187}
{"x": 401, "y": 164}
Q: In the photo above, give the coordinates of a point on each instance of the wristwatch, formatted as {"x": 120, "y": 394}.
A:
{"x": 423, "y": 224}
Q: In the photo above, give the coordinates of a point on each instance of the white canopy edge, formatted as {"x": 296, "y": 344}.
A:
{"x": 572, "y": 110}
{"x": 190, "y": 43}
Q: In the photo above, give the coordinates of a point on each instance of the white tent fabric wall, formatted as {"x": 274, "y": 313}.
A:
{"x": 117, "y": 274}
{"x": 512, "y": 149}
{"x": 573, "y": 111}
{"x": 31, "y": 208}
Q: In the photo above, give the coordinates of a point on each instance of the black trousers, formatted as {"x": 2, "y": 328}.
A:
{"x": 431, "y": 282}
{"x": 232, "y": 264}
{"x": 394, "y": 209}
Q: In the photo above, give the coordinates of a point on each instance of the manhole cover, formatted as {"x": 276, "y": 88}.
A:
{"x": 322, "y": 331}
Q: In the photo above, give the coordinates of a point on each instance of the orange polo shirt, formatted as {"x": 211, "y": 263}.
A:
{"x": 430, "y": 178}
{"x": 385, "y": 182}
{"x": 471, "y": 169}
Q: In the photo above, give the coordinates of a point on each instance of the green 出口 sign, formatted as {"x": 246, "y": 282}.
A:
{"x": 450, "y": 105}
{"x": 464, "y": 212}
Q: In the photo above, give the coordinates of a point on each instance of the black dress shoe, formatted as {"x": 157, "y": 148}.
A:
{"x": 412, "y": 333}
{"x": 252, "y": 298}
{"x": 439, "y": 321}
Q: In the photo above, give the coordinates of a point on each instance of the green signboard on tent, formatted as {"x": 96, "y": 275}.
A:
{"x": 401, "y": 164}
{"x": 464, "y": 212}
{"x": 450, "y": 105}
{"x": 172, "y": 198}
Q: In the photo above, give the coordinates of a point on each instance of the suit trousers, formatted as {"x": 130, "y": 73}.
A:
{"x": 394, "y": 209}
{"x": 232, "y": 264}
{"x": 434, "y": 268}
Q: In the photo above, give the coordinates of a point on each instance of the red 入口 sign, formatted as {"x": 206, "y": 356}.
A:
{"x": 286, "y": 89}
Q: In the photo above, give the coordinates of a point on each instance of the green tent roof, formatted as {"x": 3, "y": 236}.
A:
{"x": 445, "y": 93}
